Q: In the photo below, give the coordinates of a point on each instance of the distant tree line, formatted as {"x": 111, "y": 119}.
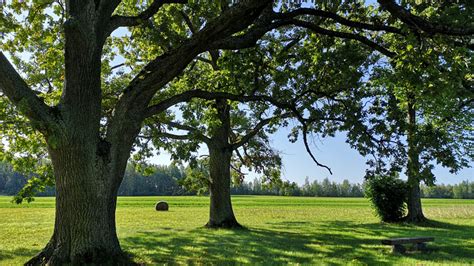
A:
{"x": 155, "y": 180}
{"x": 170, "y": 181}
{"x": 463, "y": 190}
{"x": 325, "y": 188}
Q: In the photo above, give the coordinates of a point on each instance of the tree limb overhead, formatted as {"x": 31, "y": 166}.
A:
{"x": 419, "y": 23}
{"x": 16, "y": 89}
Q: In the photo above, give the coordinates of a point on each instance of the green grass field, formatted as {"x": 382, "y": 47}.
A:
{"x": 280, "y": 230}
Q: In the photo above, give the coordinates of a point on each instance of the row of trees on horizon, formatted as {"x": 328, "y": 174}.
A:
{"x": 172, "y": 180}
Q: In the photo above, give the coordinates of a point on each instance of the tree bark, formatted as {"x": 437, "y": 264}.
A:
{"x": 87, "y": 172}
{"x": 415, "y": 211}
{"x": 220, "y": 154}
{"x": 221, "y": 213}
{"x": 84, "y": 230}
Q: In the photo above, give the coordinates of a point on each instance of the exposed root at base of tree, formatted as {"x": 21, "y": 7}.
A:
{"x": 51, "y": 255}
{"x": 415, "y": 219}
{"x": 226, "y": 224}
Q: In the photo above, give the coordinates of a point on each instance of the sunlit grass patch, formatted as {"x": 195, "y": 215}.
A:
{"x": 279, "y": 230}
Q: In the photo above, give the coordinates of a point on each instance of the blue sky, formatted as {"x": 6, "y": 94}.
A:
{"x": 345, "y": 163}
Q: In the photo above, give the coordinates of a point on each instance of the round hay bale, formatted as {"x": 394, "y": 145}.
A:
{"x": 162, "y": 206}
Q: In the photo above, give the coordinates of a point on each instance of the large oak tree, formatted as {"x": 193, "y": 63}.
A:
{"x": 70, "y": 102}
{"x": 270, "y": 87}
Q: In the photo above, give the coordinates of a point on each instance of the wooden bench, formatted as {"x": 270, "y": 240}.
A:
{"x": 398, "y": 243}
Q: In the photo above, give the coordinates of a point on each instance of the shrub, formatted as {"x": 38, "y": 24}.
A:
{"x": 388, "y": 195}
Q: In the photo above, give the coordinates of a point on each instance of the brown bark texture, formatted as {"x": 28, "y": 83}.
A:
{"x": 220, "y": 154}
{"x": 415, "y": 210}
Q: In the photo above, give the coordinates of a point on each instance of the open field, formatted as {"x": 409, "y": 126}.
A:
{"x": 279, "y": 230}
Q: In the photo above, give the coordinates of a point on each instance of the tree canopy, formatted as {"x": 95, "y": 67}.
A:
{"x": 77, "y": 89}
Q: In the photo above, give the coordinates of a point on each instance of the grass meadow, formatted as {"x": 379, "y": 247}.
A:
{"x": 279, "y": 230}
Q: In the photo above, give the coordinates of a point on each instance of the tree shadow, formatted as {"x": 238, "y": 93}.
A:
{"x": 254, "y": 246}
{"x": 345, "y": 241}
{"x": 19, "y": 252}
{"x": 450, "y": 244}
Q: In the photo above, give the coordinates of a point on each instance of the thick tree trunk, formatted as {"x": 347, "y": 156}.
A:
{"x": 415, "y": 211}
{"x": 221, "y": 212}
{"x": 84, "y": 230}
{"x": 87, "y": 171}
{"x": 84, "y": 233}
{"x": 220, "y": 155}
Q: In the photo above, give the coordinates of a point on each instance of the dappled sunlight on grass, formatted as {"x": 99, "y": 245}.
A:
{"x": 278, "y": 231}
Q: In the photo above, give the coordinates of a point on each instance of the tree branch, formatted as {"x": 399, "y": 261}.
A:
{"x": 339, "y": 19}
{"x": 265, "y": 24}
{"x": 419, "y": 23}
{"x": 164, "y": 68}
{"x": 117, "y": 21}
{"x": 132, "y": 106}
{"x": 345, "y": 35}
{"x": 173, "y": 100}
{"x": 174, "y": 136}
{"x": 308, "y": 149}
{"x": 16, "y": 89}
{"x": 194, "y": 131}
{"x": 255, "y": 130}
{"x": 188, "y": 21}
{"x": 207, "y": 95}
{"x": 224, "y": 95}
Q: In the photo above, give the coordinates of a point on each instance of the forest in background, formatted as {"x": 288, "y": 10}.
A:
{"x": 162, "y": 180}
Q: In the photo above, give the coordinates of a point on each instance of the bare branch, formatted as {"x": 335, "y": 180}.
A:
{"x": 174, "y": 136}
{"x": 257, "y": 129}
{"x": 188, "y": 21}
{"x": 117, "y": 66}
{"x": 308, "y": 149}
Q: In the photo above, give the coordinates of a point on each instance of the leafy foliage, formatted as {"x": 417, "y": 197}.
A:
{"x": 388, "y": 195}
{"x": 323, "y": 72}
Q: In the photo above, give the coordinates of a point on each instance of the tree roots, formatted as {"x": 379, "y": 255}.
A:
{"x": 51, "y": 255}
{"x": 415, "y": 219}
{"x": 226, "y": 224}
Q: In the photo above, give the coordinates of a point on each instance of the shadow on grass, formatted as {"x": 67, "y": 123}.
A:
{"x": 450, "y": 244}
{"x": 11, "y": 254}
{"x": 340, "y": 241}
{"x": 204, "y": 246}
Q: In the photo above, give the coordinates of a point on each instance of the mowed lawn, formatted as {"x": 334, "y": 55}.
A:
{"x": 280, "y": 230}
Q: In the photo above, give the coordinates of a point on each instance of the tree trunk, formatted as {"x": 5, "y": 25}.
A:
{"x": 221, "y": 212}
{"x": 84, "y": 230}
{"x": 415, "y": 211}
{"x": 220, "y": 155}
{"x": 87, "y": 172}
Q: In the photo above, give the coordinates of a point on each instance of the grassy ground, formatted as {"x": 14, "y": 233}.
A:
{"x": 280, "y": 230}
